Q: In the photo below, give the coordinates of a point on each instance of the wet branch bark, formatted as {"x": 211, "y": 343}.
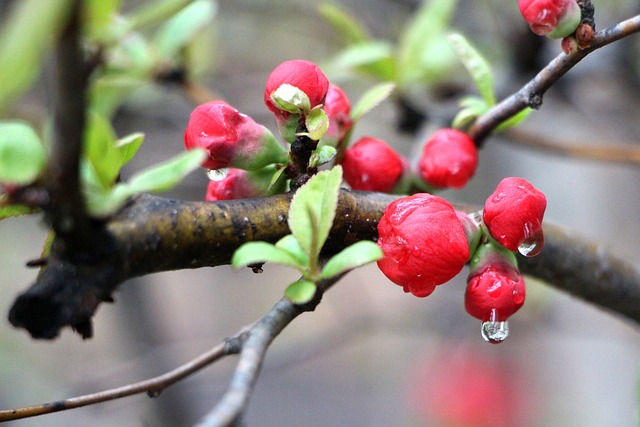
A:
{"x": 153, "y": 234}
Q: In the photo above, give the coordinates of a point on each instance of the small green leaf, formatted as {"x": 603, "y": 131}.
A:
{"x": 323, "y": 155}
{"x": 420, "y": 50}
{"x": 156, "y": 11}
{"x": 476, "y": 65}
{"x": 128, "y": 146}
{"x": 289, "y": 244}
{"x": 472, "y": 108}
{"x": 260, "y": 252}
{"x": 9, "y": 211}
{"x": 371, "y": 99}
{"x": 343, "y": 23}
{"x": 28, "y": 31}
{"x": 300, "y": 292}
{"x": 374, "y": 59}
{"x": 317, "y": 123}
{"x": 182, "y": 27}
{"x": 290, "y": 98}
{"x": 515, "y": 120}
{"x": 313, "y": 209}
{"x": 22, "y": 156}
{"x": 353, "y": 256}
{"x": 102, "y": 202}
{"x": 101, "y": 150}
{"x": 165, "y": 176}
{"x": 98, "y": 16}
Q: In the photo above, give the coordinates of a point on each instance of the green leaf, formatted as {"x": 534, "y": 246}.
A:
{"x": 28, "y": 31}
{"x": 22, "y": 156}
{"x": 128, "y": 146}
{"x": 317, "y": 123}
{"x": 102, "y": 202}
{"x": 289, "y": 244}
{"x": 371, "y": 99}
{"x": 300, "y": 292}
{"x": 165, "y": 176}
{"x": 420, "y": 50}
{"x": 10, "y": 211}
{"x": 153, "y": 12}
{"x": 98, "y": 16}
{"x": 353, "y": 256}
{"x": 476, "y": 65}
{"x": 290, "y": 98}
{"x": 313, "y": 209}
{"x": 181, "y": 28}
{"x": 323, "y": 155}
{"x": 101, "y": 150}
{"x": 343, "y": 23}
{"x": 374, "y": 59}
{"x": 515, "y": 120}
{"x": 472, "y": 108}
{"x": 260, "y": 252}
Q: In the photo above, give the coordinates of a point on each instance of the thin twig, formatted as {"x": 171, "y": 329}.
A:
{"x": 152, "y": 386}
{"x": 230, "y": 408}
{"x": 532, "y": 93}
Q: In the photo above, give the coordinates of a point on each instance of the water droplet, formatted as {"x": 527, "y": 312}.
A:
{"x": 532, "y": 243}
{"x": 499, "y": 197}
{"x": 495, "y": 331}
{"x": 217, "y": 174}
{"x": 476, "y": 218}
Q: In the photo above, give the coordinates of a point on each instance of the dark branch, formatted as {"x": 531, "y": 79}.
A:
{"x": 532, "y": 93}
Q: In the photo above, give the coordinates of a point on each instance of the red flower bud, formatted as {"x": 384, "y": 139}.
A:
{"x": 338, "y": 108}
{"x": 551, "y": 18}
{"x": 372, "y": 165}
{"x": 305, "y": 75}
{"x": 494, "y": 292}
{"x": 449, "y": 159}
{"x": 423, "y": 241}
{"x": 231, "y": 138}
{"x": 513, "y": 215}
{"x": 236, "y": 184}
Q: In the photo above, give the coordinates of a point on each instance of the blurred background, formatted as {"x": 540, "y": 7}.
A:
{"x": 369, "y": 355}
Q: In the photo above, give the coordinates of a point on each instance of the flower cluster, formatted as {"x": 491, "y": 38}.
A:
{"x": 426, "y": 242}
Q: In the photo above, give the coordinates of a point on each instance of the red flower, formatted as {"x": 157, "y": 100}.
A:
{"x": 236, "y": 184}
{"x": 338, "y": 108}
{"x": 305, "y": 75}
{"x": 231, "y": 138}
{"x": 552, "y": 18}
{"x": 423, "y": 241}
{"x": 513, "y": 215}
{"x": 449, "y": 159}
{"x": 372, "y": 165}
{"x": 498, "y": 287}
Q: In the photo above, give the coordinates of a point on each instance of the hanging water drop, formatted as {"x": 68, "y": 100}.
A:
{"x": 532, "y": 245}
{"x": 495, "y": 331}
{"x": 217, "y": 174}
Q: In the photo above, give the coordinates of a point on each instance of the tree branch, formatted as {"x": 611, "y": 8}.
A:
{"x": 532, "y": 93}
{"x": 154, "y": 234}
{"x": 250, "y": 342}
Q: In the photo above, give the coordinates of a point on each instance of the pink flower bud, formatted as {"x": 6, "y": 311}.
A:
{"x": 551, "y": 18}
{"x": 231, "y": 138}
{"x": 423, "y": 241}
{"x": 302, "y": 74}
{"x": 513, "y": 215}
{"x": 494, "y": 292}
{"x": 449, "y": 159}
{"x": 372, "y": 165}
{"x": 338, "y": 108}
{"x": 236, "y": 184}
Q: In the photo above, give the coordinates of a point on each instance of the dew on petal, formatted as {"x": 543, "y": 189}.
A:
{"x": 532, "y": 245}
{"x": 217, "y": 174}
